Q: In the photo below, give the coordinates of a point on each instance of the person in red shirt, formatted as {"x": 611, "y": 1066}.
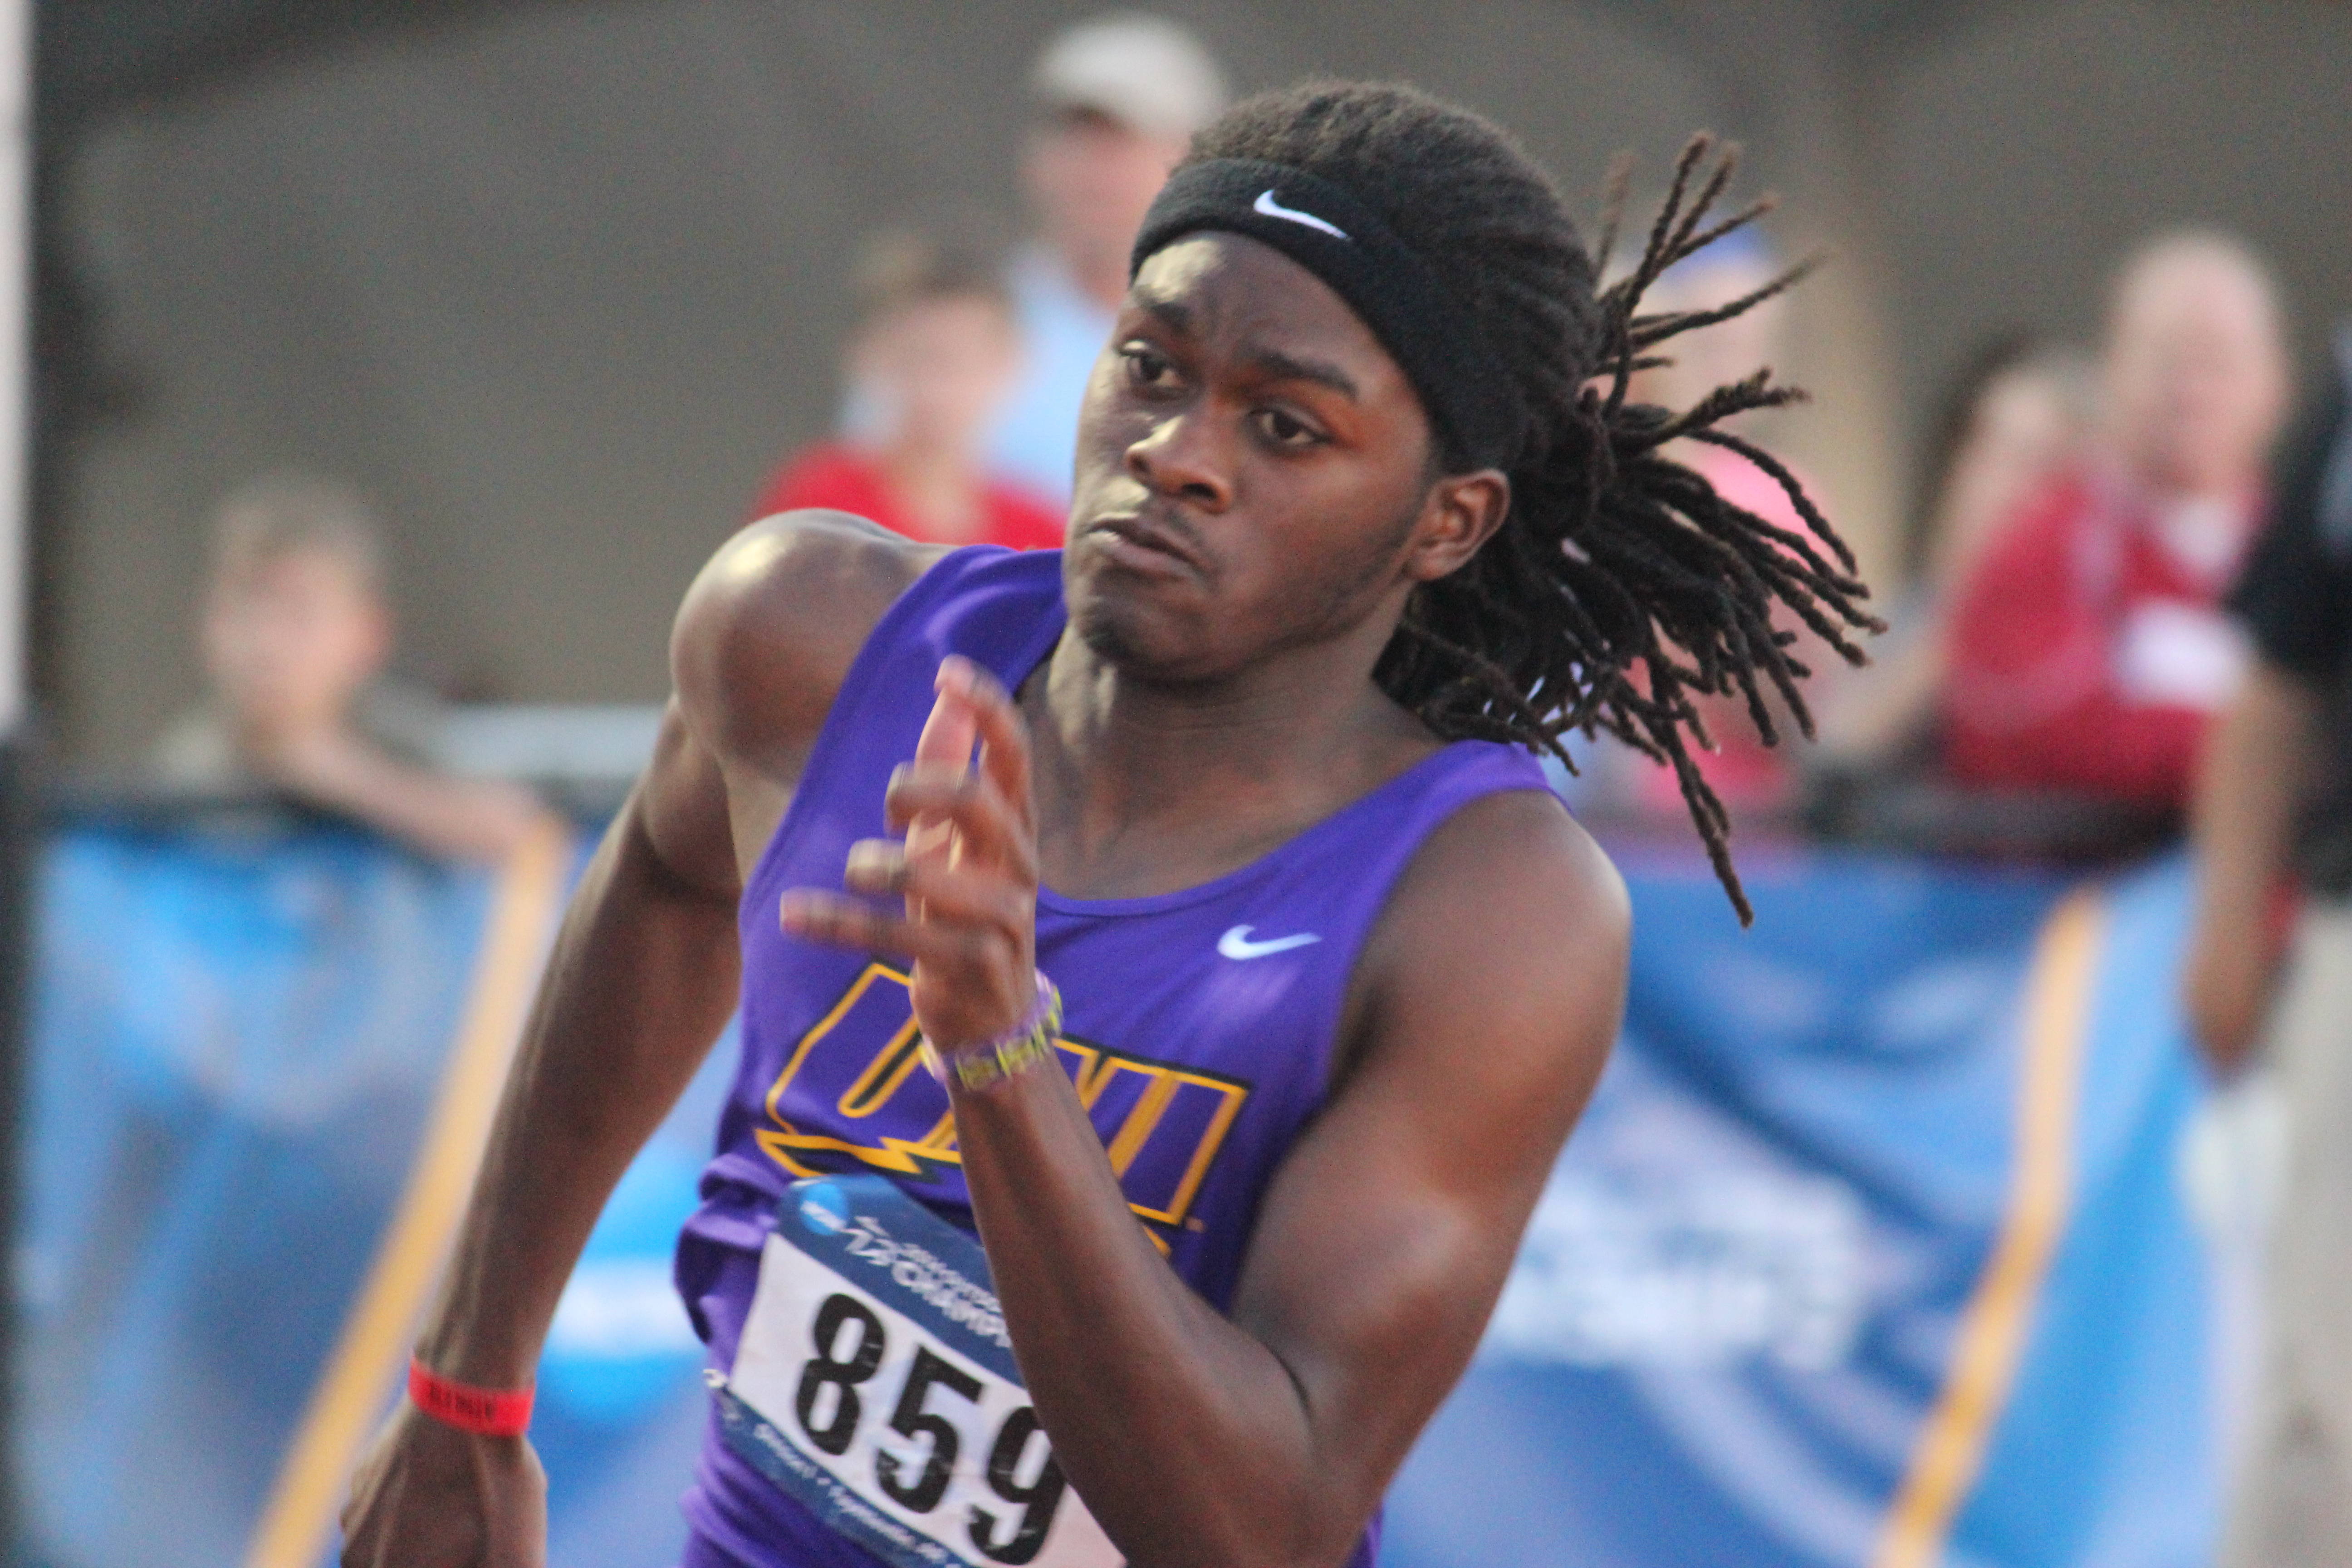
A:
{"x": 2088, "y": 649}
{"x": 934, "y": 354}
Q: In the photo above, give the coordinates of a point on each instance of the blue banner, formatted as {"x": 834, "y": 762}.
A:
{"x": 1871, "y": 1250}
{"x": 238, "y": 1037}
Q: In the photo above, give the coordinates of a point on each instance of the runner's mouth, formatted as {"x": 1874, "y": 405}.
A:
{"x": 1138, "y": 541}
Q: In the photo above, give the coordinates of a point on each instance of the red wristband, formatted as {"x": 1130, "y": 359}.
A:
{"x": 485, "y": 1412}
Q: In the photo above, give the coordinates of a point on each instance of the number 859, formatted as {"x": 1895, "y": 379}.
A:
{"x": 920, "y": 1492}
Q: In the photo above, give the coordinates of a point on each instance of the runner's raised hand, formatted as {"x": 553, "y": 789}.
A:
{"x": 966, "y": 872}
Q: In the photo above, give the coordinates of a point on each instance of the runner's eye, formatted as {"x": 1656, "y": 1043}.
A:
{"x": 1287, "y": 430}
{"x": 1147, "y": 368}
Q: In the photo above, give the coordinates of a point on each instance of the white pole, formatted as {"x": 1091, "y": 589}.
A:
{"x": 15, "y": 346}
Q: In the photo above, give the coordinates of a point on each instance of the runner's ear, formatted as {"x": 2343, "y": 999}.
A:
{"x": 1462, "y": 512}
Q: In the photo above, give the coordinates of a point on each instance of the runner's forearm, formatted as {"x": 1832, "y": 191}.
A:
{"x": 477, "y": 819}
{"x": 1187, "y": 1437}
{"x": 2258, "y": 764}
{"x": 641, "y": 980}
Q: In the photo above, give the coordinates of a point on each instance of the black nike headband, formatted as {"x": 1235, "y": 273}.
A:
{"x": 1322, "y": 227}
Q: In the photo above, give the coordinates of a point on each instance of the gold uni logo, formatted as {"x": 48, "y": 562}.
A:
{"x": 854, "y": 1093}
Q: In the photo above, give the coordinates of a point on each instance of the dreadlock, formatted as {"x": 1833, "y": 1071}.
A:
{"x": 1620, "y": 585}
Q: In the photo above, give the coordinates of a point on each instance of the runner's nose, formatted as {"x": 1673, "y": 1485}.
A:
{"x": 1180, "y": 458}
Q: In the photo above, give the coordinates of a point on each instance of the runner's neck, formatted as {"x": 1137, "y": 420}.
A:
{"x": 1143, "y": 789}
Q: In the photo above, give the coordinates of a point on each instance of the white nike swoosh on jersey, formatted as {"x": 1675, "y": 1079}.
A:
{"x": 1237, "y": 942}
{"x": 1271, "y": 208}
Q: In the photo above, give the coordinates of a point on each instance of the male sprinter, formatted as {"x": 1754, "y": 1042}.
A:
{"x": 1237, "y": 998}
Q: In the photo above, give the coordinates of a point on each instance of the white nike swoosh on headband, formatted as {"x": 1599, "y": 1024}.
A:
{"x": 1271, "y": 208}
{"x": 1237, "y": 942}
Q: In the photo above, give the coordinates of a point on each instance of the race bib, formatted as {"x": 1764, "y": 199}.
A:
{"x": 875, "y": 1384}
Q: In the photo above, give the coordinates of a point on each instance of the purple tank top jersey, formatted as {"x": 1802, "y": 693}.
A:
{"x": 1198, "y": 1024}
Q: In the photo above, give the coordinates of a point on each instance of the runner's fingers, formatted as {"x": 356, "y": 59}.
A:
{"x": 987, "y": 825}
{"x": 1002, "y": 735}
{"x": 837, "y": 920}
{"x": 877, "y": 867}
{"x": 963, "y": 895}
{"x": 921, "y": 800}
{"x": 881, "y": 868}
{"x": 928, "y": 833}
{"x": 945, "y": 745}
{"x": 950, "y": 732}
{"x": 840, "y": 922}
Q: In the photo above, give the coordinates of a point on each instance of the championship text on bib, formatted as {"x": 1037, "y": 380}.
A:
{"x": 876, "y": 1384}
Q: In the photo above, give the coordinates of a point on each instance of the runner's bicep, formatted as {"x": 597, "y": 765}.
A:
{"x": 1378, "y": 1258}
{"x": 679, "y": 810}
{"x": 1388, "y": 1234}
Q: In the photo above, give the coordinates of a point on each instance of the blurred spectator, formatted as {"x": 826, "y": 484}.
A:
{"x": 1119, "y": 98}
{"x": 932, "y": 355}
{"x": 295, "y": 633}
{"x": 2087, "y": 647}
{"x": 2282, "y": 757}
{"x": 2016, "y": 414}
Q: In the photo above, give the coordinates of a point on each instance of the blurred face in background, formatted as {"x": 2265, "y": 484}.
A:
{"x": 2196, "y": 376}
{"x": 2027, "y": 421}
{"x": 935, "y": 370}
{"x": 1090, "y": 179}
{"x": 291, "y": 635}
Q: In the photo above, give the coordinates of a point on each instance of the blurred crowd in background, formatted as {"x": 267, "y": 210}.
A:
{"x": 2059, "y": 631}
{"x": 2119, "y": 616}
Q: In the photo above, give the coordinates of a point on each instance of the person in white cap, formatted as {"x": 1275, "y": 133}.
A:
{"x": 1118, "y": 97}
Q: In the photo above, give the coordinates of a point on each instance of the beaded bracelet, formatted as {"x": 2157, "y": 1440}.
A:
{"x": 1019, "y": 1048}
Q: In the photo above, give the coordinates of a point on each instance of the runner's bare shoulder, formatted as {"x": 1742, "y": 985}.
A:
{"x": 1511, "y": 920}
{"x": 767, "y": 632}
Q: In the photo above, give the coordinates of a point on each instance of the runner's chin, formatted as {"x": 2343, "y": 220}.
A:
{"x": 1139, "y": 608}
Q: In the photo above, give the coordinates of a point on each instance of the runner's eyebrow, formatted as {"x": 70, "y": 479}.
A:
{"x": 1170, "y": 313}
{"x": 1279, "y": 366}
{"x": 1273, "y": 364}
